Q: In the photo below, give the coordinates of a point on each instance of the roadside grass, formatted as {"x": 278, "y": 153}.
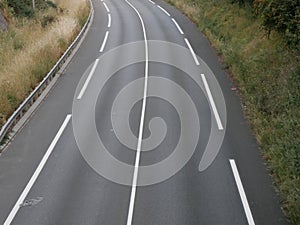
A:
{"x": 267, "y": 73}
{"x": 31, "y": 47}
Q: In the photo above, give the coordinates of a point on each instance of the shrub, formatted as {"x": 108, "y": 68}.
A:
{"x": 51, "y": 4}
{"x": 283, "y": 16}
{"x": 24, "y": 8}
{"x": 21, "y": 8}
{"x": 243, "y": 2}
{"x": 48, "y": 19}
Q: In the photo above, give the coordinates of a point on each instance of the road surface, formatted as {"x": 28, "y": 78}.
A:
{"x": 48, "y": 176}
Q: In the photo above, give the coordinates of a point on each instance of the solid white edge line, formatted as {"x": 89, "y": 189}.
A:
{"x": 192, "y": 51}
{"x": 177, "y": 25}
{"x": 109, "y": 20}
{"x": 106, "y": 7}
{"x": 152, "y": 2}
{"x": 86, "y": 83}
{"x": 38, "y": 170}
{"x": 141, "y": 128}
{"x": 162, "y": 9}
{"x": 104, "y": 42}
{"x": 241, "y": 192}
{"x": 212, "y": 103}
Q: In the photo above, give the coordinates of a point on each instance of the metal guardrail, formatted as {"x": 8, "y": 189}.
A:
{"x": 22, "y": 109}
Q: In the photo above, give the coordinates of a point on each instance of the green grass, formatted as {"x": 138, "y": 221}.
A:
{"x": 267, "y": 73}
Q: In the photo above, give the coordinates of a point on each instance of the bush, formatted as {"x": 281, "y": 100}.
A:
{"x": 46, "y": 20}
{"x": 243, "y": 2}
{"x": 23, "y": 8}
{"x": 283, "y": 16}
{"x": 51, "y": 4}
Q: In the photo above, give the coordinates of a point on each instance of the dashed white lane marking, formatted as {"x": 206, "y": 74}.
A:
{"x": 212, "y": 103}
{"x": 177, "y": 25}
{"x": 109, "y": 20}
{"x": 106, "y": 7}
{"x": 151, "y": 2}
{"x": 86, "y": 83}
{"x": 241, "y": 192}
{"x": 192, "y": 51}
{"x": 104, "y": 41}
{"x": 37, "y": 172}
{"x": 162, "y": 9}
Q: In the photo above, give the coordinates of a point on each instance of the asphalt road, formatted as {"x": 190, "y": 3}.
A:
{"x": 52, "y": 172}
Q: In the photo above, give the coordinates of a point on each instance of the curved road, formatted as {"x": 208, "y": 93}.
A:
{"x": 45, "y": 179}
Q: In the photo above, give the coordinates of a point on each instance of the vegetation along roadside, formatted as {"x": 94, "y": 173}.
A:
{"x": 259, "y": 42}
{"x": 32, "y": 43}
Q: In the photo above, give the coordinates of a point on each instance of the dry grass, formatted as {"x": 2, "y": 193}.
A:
{"x": 28, "y": 50}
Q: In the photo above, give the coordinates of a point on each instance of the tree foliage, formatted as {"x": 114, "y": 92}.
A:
{"x": 282, "y": 16}
{"x": 24, "y": 8}
{"x": 21, "y": 8}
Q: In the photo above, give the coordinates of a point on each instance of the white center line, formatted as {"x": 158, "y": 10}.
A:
{"x": 192, "y": 51}
{"x": 109, "y": 20}
{"x": 241, "y": 192}
{"x": 107, "y": 9}
{"x": 162, "y": 9}
{"x": 151, "y": 2}
{"x": 86, "y": 83}
{"x": 38, "y": 170}
{"x": 212, "y": 103}
{"x": 141, "y": 128}
{"x": 104, "y": 42}
{"x": 177, "y": 25}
